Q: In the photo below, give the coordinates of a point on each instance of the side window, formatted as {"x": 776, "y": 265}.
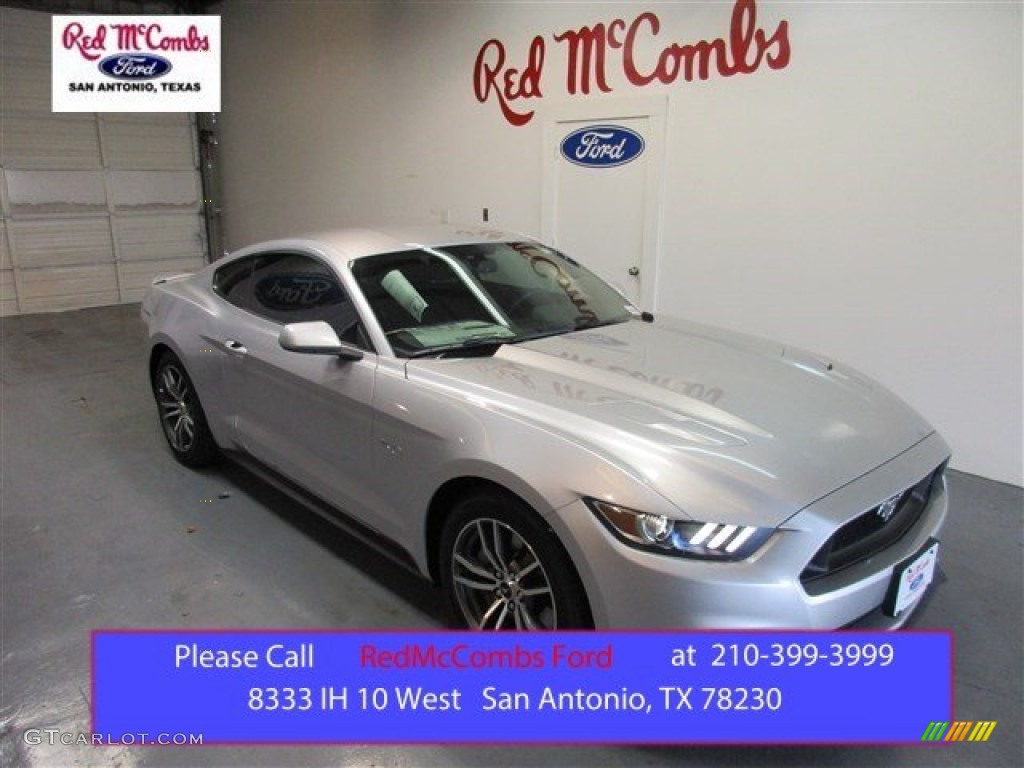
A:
{"x": 291, "y": 288}
{"x": 416, "y": 288}
{"x": 234, "y": 281}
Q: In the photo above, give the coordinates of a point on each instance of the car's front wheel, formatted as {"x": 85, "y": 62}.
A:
{"x": 503, "y": 568}
{"x": 181, "y": 414}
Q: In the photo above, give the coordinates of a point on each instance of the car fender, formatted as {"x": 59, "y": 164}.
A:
{"x": 427, "y": 438}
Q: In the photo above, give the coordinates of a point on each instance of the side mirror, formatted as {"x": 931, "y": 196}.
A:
{"x": 317, "y": 338}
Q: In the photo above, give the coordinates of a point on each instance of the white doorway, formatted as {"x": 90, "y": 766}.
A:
{"x": 607, "y": 216}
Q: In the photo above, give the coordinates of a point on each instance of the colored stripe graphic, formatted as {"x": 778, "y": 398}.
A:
{"x": 982, "y": 731}
{"x": 959, "y": 730}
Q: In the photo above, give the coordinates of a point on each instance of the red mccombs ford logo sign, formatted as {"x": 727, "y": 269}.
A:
{"x": 136, "y": 64}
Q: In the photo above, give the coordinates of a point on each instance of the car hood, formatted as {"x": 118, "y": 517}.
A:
{"x": 707, "y": 418}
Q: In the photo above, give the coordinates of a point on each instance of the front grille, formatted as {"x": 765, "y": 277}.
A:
{"x": 873, "y": 531}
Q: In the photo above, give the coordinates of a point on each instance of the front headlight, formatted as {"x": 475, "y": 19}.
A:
{"x": 683, "y": 538}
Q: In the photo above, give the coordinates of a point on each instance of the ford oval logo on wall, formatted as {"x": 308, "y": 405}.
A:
{"x": 602, "y": 146}
{"x": 135, "y": 66}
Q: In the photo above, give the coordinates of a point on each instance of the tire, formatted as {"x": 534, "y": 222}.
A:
{"x": 181, "y": 414}
{"x": 502, "y": 567}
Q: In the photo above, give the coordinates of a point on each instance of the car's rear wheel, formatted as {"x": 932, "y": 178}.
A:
{"x": 181, "y": 414}
{"x": 503, "y": 568}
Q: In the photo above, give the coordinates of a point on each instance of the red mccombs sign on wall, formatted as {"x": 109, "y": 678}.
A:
{"x": 136, "y": 64}
{"x": 634, "y": 53}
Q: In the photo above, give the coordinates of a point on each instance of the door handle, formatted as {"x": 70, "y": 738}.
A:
{"x": 634, "y": 271}
{"x": 235, "y": 346}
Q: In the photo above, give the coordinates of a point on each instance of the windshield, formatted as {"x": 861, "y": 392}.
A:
{"x": 460, "y": 297}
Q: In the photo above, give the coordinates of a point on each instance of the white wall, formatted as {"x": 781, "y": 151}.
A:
{"x": 864, "y": 201}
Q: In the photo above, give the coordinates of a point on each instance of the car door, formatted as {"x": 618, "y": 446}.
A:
{"x": 309, "y": 417}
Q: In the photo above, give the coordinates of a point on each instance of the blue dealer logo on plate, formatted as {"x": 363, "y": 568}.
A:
{"x": 602, "y": 146}
{"x": 135, "y": 66}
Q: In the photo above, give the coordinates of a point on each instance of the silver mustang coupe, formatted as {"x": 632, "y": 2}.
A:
{"x": 494, "y": 416}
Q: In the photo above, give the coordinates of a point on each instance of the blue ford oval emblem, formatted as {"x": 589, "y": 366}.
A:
{"x": 135, "y": 66}
{"x": 602, "y": 146}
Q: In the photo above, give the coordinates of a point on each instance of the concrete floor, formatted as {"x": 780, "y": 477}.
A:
{"x": 102, "y": 528}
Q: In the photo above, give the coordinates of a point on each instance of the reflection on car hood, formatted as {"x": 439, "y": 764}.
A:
{"x": 678, "y": 403}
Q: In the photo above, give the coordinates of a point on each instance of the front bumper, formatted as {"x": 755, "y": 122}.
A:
{"x": 633, "y": 589}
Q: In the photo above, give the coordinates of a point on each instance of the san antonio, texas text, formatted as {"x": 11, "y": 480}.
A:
{"x": 126, "y": 87}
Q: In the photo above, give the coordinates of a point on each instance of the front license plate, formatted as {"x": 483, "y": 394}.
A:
{"x": 910, "y": 579}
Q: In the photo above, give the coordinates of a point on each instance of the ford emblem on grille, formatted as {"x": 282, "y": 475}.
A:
{"x": 135, "y": 66}
{"x": 888, "y": 507}
{"x": 602, "y": 146}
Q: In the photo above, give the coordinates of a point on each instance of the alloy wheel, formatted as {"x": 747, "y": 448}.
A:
{"x": 177, "y": 403}
{"x": 499, "y": 581}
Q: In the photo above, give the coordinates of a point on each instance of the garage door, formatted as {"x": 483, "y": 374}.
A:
{"x": 94, "y": 205}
